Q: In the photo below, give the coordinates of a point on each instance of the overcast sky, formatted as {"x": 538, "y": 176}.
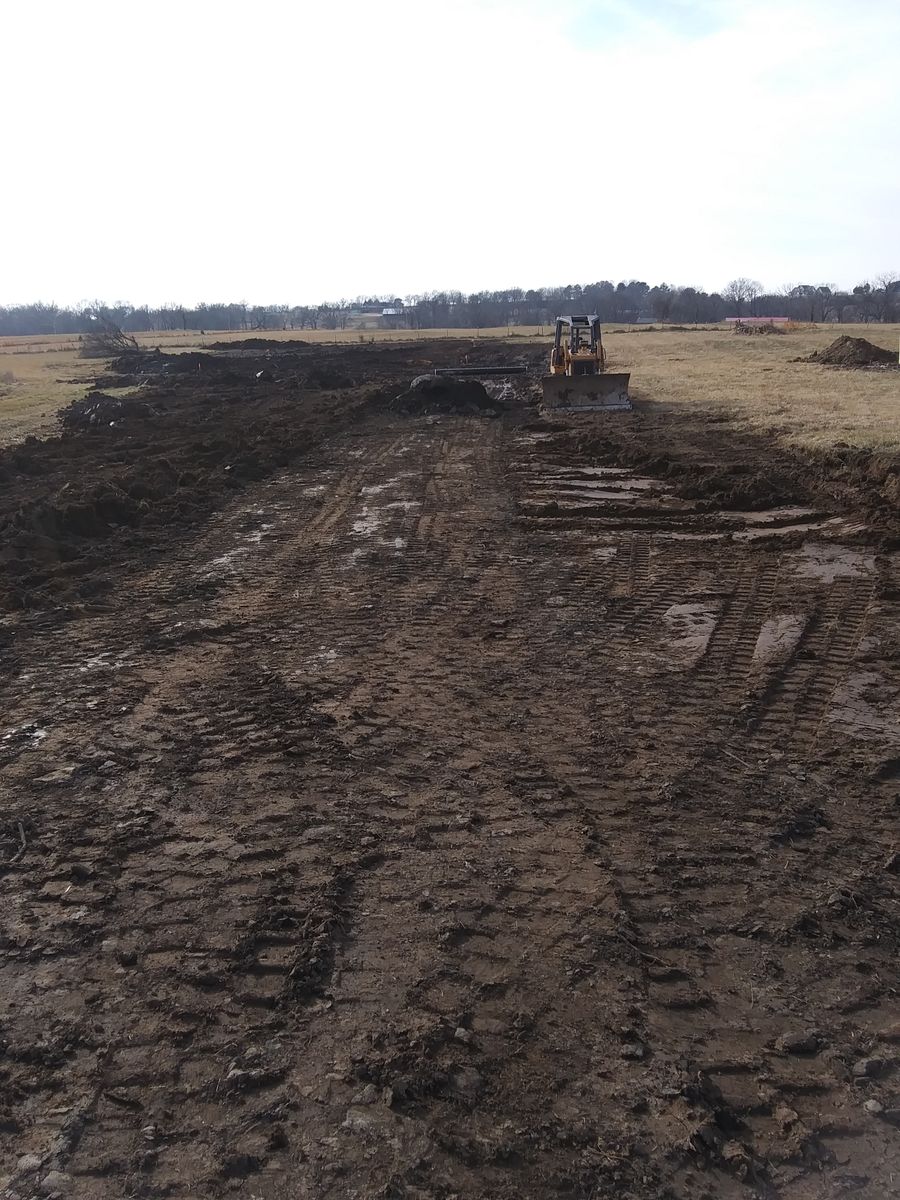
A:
{"x": 297, "y": 151}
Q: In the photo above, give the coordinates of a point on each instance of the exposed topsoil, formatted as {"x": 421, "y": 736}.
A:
{"x": 260, "y": 343}
{"x": 853, "y": 352}
{"x": 436, "y": 807}
{"x": 127, "y": 473}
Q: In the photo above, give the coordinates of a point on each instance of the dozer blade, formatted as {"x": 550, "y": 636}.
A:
{"x": 586, "y": 393}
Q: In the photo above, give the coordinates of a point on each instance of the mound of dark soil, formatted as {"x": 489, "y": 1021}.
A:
{"x": 126, "y": 474}
{"x": 852, "y": 352}
{"x": 97, "y": 409}
{"x": 431, "y": 394}
{"x": 259, "y": 343}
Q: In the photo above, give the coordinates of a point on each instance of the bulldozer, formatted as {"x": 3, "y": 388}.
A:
{"x": 578, "y": 379}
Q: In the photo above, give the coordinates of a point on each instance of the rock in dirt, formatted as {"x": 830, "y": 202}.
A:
{"x": 633, "y": 1050}
{"x": 443, "y": 394}
{"x": 852, "y": 352}
{"x": 55, "y": 1183}
{"x": 804, "y": 1042}
{"x": 869, "y": 1068}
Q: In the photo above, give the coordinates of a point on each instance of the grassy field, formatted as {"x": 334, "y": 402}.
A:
{"x": 750, "y": 379}
{"x": 753, "y": 380}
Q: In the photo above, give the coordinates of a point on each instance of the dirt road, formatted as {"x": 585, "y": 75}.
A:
{"x": 460, "y": 813}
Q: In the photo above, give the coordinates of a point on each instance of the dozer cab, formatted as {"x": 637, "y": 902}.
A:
{"x": 578, "y": 379}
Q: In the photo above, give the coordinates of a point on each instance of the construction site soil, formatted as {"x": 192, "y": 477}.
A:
{"x": 418, "y": 798}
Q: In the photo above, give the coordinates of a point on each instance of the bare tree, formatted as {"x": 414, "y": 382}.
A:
{"x": 741, "y": 291}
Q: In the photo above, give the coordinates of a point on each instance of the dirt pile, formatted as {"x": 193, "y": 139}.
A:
{"x": 259, "y": 343}
{"x": 96, "y": 409}
{"x": 852, "y": 352}
{"x": 433, "y": 394}
{"x": 127, "y": 474}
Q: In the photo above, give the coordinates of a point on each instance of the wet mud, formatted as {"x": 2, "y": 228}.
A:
{"x": 428, "y": 806}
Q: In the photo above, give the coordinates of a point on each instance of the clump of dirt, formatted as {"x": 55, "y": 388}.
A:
{"x": 94, "y": 410}
{"x": 734, "y": 491}
{"x": 259, "y": 343}
{"x": 852, "y": 352}
{"x": 432, "y": 394}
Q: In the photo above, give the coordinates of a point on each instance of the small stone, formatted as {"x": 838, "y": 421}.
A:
{"x": 890, "y": 1033}
{"x": 892, "y": 862}
{"x": 633, "y": 1050}
{"x": 463, "y": 1035}
{"x": 868, "y": 1068}
{"x": 804, "y": 1042}
{"x": 873, "y": 1107}
{"x": 357, "y": 1122}
{"x": 29, "y": 1162}
{"x": 368, "y": 1095}
{"x": 55, "y": 1183}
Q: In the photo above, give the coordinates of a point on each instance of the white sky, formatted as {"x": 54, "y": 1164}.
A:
{"x": 182, "y": 150}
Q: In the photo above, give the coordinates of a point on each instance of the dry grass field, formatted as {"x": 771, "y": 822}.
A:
{"x": 753, "y": 379}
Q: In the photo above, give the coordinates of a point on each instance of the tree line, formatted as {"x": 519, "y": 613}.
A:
{"x": 616, "y": 303}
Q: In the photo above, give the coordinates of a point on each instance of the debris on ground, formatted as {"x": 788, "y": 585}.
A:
{"x": 93, "y": 410}
{"x": 762, "y": 328}
{"x": 848, "y": 351}
{"x": 105, "y": 340}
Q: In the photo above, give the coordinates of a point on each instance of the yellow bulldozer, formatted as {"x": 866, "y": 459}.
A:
{"x": 578, "y": 379}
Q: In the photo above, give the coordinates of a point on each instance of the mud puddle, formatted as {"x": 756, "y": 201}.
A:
{"x": 827, "y": 562}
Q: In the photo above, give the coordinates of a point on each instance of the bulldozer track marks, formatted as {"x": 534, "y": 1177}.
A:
{"x": 639, "y": 563}
{"x": 798, "y": 697}
{"x": 392, "y": 832}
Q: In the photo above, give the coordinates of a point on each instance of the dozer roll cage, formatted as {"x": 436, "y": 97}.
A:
{"x": 582, "y": 333}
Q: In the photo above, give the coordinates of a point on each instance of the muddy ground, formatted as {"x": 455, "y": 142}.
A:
{"x": 432, "y": 806}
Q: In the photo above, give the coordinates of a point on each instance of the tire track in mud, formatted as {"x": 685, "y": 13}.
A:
{"x": 796, "y": 699}
{"x": 675, "y": 882}
{"x": 424, "y": 873}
